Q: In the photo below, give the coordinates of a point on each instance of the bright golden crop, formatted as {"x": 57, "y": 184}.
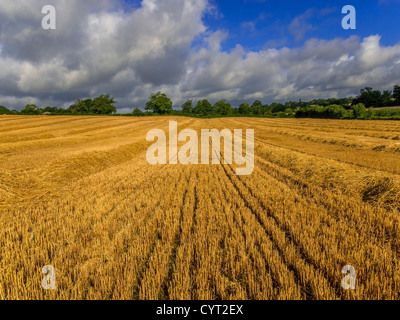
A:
{"x": 77, "y": 193}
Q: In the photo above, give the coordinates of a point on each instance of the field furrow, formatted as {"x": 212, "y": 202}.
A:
{"x": 78, "y": 193}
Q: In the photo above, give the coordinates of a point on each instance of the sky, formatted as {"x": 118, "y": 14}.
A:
{"x": 238, "y": 50}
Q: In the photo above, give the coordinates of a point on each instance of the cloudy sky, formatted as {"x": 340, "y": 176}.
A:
{"x": 239, "y": 50}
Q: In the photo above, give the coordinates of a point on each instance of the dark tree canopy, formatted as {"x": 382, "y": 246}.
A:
{"x": 79, "y": 106}
{"x": 159, "y": 103}
{"x": 244, "y": 108}
{"x": 328, "y": 112}
{"x": 222, "y": 108}
{"x": 278, "y": 107}
{"x": 103, "y": 104}
{"x": 187, "y": 107}
{"x": 203, "y": 108}
{"x": 359, "y": 111}
{"x": 138, "y": 113}
{"x": 30, "y": 109}
{"x": 369, "y": 104}
{"x": 396, "y": 95}
{"x": 257, "y": 107}
{"x": 4, "y": 110}
{"x": 374, "y": 98}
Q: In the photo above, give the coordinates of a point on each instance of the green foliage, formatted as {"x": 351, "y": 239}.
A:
{"x": 30, "y": 109}
{"x": 138, "y": 113}
{"x": 256, "y": 107}
{"x": 329, "y": 112}
{"x": 277, "y": 107}
{"x": 4, "y": 110}
{"x": 52, "y": 110}
{"x": 244, "y": 109}
{"x": 159, "y": 103}
{"x": 359, "y": 111}
{"x": 187, "y": 107}
{"x": 374, "y": 98}
{"x": 203, "y": 108}
{"x": 345, "y": 102}
{"x": 79, "y": 107}
{"x": 396, "y": 95}
{"x": 222, "y": 108}
{"x": 335, "y": 112}
{"x": 390, "y": 113}
{"x": 387, "y": 98}
{"x": 338, "y": 112}
{"x": 289, "y": 111}
{"x": 361, "y": 107}
{"x": 103, "y": 104}
{"x": 89, "y": 103}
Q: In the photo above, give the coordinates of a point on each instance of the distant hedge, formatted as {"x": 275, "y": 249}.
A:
{"x": 329, "y": 112}
{"x": 4, "y": 110}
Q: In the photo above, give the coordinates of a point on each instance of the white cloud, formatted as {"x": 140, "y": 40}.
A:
{"x": 319, "y": 68}
{"x": 99, "y": 47}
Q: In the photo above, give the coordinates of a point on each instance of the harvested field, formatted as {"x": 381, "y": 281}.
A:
{"x": 77, "y": 193}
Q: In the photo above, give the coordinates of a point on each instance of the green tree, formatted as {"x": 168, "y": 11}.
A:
{"x": 30, "y": 109}
{"x": 360, "y": 111}
{"x": 334, "y": 112}
{"x": 103, "y": 104}
{"x": 51, "y": 109}
{"x": 256, "y": 107}
{"x": 277, "y": 107}
{"x": 203, "y": 108}
{"x": 289, "y": 112}
{"x": 138, "y": 113}
{"x": 79, "y": 106}
{"x": 370, "y": 113}
{"x": 159, "y": 103}
{"x": 244, "y": 109}
{"x": 4, "y": 110}
{"x": 291, "y": 105}
{"x": 387, "y": 98}
{"x": 396, "y": 95}
{"x": 371, "y": 98}
{"x": 222, "y": 108}
{"x": 329, "y": 112}
{"x": 89, "y": 104}
{"x": 187, "y": 107}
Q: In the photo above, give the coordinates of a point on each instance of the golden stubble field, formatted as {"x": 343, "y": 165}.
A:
{"x": 77, "y": 193}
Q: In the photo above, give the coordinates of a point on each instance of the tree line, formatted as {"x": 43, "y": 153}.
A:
{"x": 370, "y": 104}
{"x": 160, "y": 104}
{"x": 364, "y": 106}
{"x": 104, "y": 104}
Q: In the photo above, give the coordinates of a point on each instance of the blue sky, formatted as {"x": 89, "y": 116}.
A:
{"x": 238, "y": 50}
{"x": 258, "y": 24}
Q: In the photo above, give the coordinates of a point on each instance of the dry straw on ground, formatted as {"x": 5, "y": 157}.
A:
{"x": 78, "y": 194}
